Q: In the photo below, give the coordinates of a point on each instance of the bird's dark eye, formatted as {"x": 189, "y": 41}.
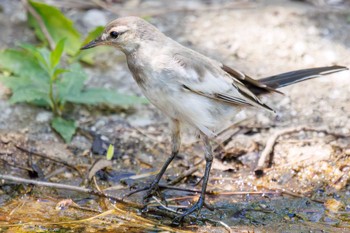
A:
{"x": 114, "y": 34}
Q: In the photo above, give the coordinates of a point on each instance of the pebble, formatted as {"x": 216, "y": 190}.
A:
{"x": 43, "y": 117}
{"x": 347, "y": 152}
{"x": 94, "y": 18}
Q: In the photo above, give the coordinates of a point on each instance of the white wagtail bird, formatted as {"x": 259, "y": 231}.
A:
{"x": 189, "y": 87}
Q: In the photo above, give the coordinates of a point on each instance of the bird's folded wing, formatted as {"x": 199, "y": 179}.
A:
{"x": 208, "y": 78}
{"x": 231, "y": 99}
{"x": 220, "y": 97}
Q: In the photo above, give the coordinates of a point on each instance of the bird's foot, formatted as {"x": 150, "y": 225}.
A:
{"x": 195, "y": 208}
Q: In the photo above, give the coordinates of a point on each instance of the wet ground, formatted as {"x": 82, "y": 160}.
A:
{"x": 305, "y": 187}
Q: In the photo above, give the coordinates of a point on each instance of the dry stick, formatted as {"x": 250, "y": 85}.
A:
{"x": 183, "y": 176}
{"x": 270, "y": 144}
{"x": 41, "y": 23}
{"x": 67, "y": 187}
{"x": 161, "y": 204}
{"x": 47, "y": 157}
{"x": 17, "y": 166}
{"x": 216, "y": 193}
{"x": 227, "y": 228}
{"x": 299, "y": 195}
{"x": 179, "y": 189}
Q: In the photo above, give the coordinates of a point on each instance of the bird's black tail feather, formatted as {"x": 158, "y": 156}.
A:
{"x": 285, "y": 79}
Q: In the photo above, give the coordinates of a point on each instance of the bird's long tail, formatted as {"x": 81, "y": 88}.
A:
{"x": 285, "y": 79}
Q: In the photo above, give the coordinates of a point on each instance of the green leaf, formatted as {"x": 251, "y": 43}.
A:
{"x": 65, "y": 128}
{"x": 59, "y": 72}
{"x": 71, "y": 82}
{"x": 41, "y": 55}
{"x": 23, "y": 64}
{"x": 58, "y": 26}
{"x": 103, "y": 96}
{"x": 29, "y": 47}
{"x": 29, "y": 95}
{"x": 110, "y": 152}
{"x": 56, "y": 54}
{"x": 25, "y": 90}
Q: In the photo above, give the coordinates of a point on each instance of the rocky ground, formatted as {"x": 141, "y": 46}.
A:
{"x": 306, "y": 184}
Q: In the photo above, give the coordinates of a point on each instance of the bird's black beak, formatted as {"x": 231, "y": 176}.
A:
{"x": 93, "y": 43}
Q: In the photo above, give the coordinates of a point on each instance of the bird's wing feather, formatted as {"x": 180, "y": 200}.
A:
{"x": 220, "y": 97}
{"x": 206, "y": 77}
{"x": 253, "y": 85}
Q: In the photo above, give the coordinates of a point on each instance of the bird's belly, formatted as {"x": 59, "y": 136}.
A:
{"x": 205, "y": 114}
{"x": 164, "y": 99}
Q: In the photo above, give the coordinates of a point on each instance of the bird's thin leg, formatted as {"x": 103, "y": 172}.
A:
{"x": 209, "y": 160}
{"x": 176, "y": 143}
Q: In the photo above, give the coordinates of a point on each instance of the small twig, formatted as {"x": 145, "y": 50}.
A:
{"x": 55, "y": 172}
{"x": 270, "y": 144}
{"x": 286, "y": 192}
{"x": 179, "y": 189}
{"x": 165, "y": 207}
{"x": 183, "y": 176}
{"x": 41, "y": 23}
{"x": 67, "y": 187}
{"x": 17, "y": 166}
{"x": 216, "y": 193}
{"x": 47, "y": 157}
{"x": 181, "y": 198}
{"x": 76, "y": 206}
{"x": 229, "y": 230}
{"x": 95, "y": 183}
{"x": 300, "y": 196}
{"x": 21, "y": 204}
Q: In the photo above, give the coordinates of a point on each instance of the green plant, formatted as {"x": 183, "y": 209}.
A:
{"x": 110, "y": 152}
{"x": 43, "y": 78}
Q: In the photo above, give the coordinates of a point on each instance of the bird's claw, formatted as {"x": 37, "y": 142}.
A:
{"x": 153, "y": 190}
{"x": 196, "y": 207}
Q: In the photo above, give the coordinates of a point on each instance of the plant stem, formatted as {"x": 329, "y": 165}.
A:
{"x": 52, "y": 97}
{"x": 52, "y": 100}
{"x": 41, "y": 23}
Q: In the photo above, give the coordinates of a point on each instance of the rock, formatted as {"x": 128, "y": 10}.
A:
{"x": 94, "y": 18}
{"x": 347, "y": 152}
{"x": 43, "y": 117}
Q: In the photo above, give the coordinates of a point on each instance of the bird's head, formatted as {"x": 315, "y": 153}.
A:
{"x": 126, "y": 34}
